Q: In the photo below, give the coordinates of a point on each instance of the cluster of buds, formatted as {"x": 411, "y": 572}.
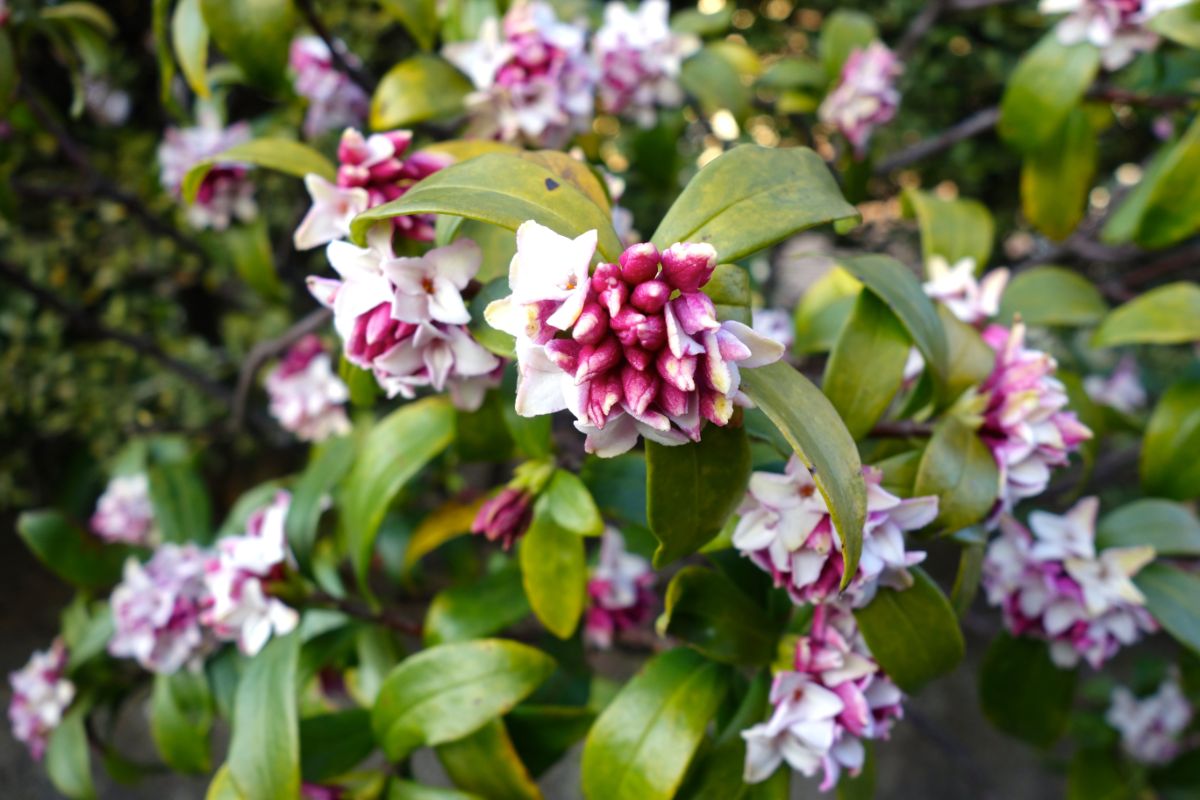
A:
{"x": 404, "y": 319}
{"x": 638, "y": 58}
{"x": 306, "y": 397}
{"x": 533, "y": 80}
{"x": 634, "y": 349}
{"x": 124, "y": 513}
{"x": 619, "y": 589}
{"x": 786, "y": 529}
{"x": 334, "y": 99}
{"x": 865, "y": 96}
{"x": 372, "y": 170}
{"x": 972, "y": 300}
{"x": 41, "y": 694}
{"x": 1152, "y": 728}
{"x": 506, "y": 516}
{"x": 1052, "y": 584}
{"x": 836, "y": 697}
{"x": 1116, "y": 27}
{"x": 1025, "y": 423}
{"x": 1122, "y": 390}
{"x": 225, "y": 193}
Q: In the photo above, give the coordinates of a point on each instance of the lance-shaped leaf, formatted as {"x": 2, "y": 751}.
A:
{"x": 553, "y": 570}
{"x": 1052, "y": 296}
{"x": 971, "y": 360}
{"x": 418, "y": 89}
{"x": 255, "y": 34}
{"x": 957, "y": 467}
{"x": 181, "y": 507}
{"x": 67, "y": 759}
{"x": 1170, "y": 528}
{"x": 486, "y": 763}
{"x": 69, "y": 552}
{"x": 1165, "y": 202}
{"x": 823, "y": 310}
{"x": 1167, "y": 315}
{"x": 333, "y": 743}
{"x": 1047, "y": 84}
{"x": 752, "y": 197}
{"x": 1023, "y": 692}
{"x": 1172, "y": 597}
{"x": 189, "y": 37}
{"x": 328, "y": 466}
{"x": 449, "y": 521}
{"x": 181, "y": 716}
{"x": 953, "y": 229}
{"x": 705, "y": 609}
{"x": 282, "y": 155}
{"x": 1057, "y": 177}
{"x": 478, "y": 609}
{"x": 1168, "y": 464}
{"x": 264, "y": 752}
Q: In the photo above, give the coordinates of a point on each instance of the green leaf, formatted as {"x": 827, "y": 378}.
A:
{"x": 255, "y": 34}
{"x": 281, "y": 155}
{"x": 497, "y": 341}
{"x": 449, "y": 691}
{"x": 1052, "y": 296}
{"x": 1023, "y": 693}
{"x": 67, "y": 761}
{"x": 913, "y": 634}
{"x": 953, "y": 229}
{"x": 691, "y": 489}
{"x": 618, "y": 486}
{"x": 571, "y": 505}
{"x": 1172, "y": 597}
{"x": 87, "y": 13}
{"x": 222, "y": 786}
{"x": 419, "y": 17}
{"x": 505, "y": 190}
{"x": 264, "y": 750}
{"x": 708, "y": 612}
{"x": 189, "y": 37}
{"x": 543, "y": 734}
{"x": 72, "y": 554}
{"x": 970, "y": 360}
{"x": 1096, "y": 775}
{"x": 90, "y": 638}
{"x": 478, "y": 609}
{"x": 752, "y": 197}
{"x": 968, "y": 578}
{"x": 1166, "y": 315}
{"x": 553, "y": 570}
{"x": 715, "y": 83}
{"x": 692, "y": 20}
{"x": 1170, "y": 528}
{"x": 1180, "y": 24}
{"x": 843, "y": 32}
{"x": 719, "y": 773}
{"x": 640, "y": 746}
{"x": 1123, "y": 223}
{"x": 8, "y": 72}
{"x": 448, "y": 521}
{"x": 328, "y": 465}
{"x": 819, "y": 437}
{"x": 420, "y": 88}
{"x": 1169, "y": 206}
{"x": 181, "y": 716}
{"x": 823, "y": 310}
{"x": 1168, "y": 464}
{"x": 248, "y": 248}
{"x": 961, "y": 471}
{"x": 1046, "y": 85}
{"x": 395, "y": 450}
{"x": 866, "y": 367}
{"x": 182, "y": 511}
{"x": 486, "y": 763}
{"x": 794, "y": 72}
{"x": 1057, "y": 177}
{"x": 411, "y": 790}
{"x": 334, "y": 743}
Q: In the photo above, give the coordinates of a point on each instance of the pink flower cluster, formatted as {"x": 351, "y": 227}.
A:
{"x": 334, "y": 100}
{"x": 836, "y": 697}
{"x": 620, "y": 595}
{"x": 225, "y": 193}
{"x": 404, "y": 319}
{"x": 124, "y": 513}
{"x": 1152, "y": 728}
{"x": 41, "y": 694}
{"x": 865, "y": 96}
{"x": 532, "y": 77}
{"x": 1025, "y": 423}
{"x": 1052, "y": 584}
{"x": 505, "y": 517}
{"x": 1117, "y": 27}
{"x": 306, "y": 397}
{"x": 785, "y": 528}
{"x": 634, "y": 349}
{"x": 971, "y": 300}
{"x": 371, "y": 172}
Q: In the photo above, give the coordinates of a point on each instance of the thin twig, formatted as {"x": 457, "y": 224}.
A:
{"x": 1164, "y": 102}
{"x": 356, "y": 73}
{"x": 919, "y": 26}
{"x": 262, "y": 351}
{"x": 977, "y": 123}
{"x": 358, "y": 610}
{"x": 901, "y": 429}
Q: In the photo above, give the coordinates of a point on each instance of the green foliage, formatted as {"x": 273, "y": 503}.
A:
{"x": 1022, "y": 691}
{"x": 486, "y": 763}
{"x": 952, "y": 229}
{"x": 1052, "y": 296}
{"x": 1172, "y": 435}
{"x": 181, "y": 717}
{"x": 959, "y": 469}
{"x": 73, "y": 554}
{"x": 1167, "y": 315}
{"x": 709, "y": 612}
{"x": 553, "y": 569}
{"x": 255, "y": 34}
{"x": 478, "y": 609}
{"x": 1046, "y": 85}
{"x": 418, "y": 89}
{"x": 1171, "y": 597}
{"x": 1170, "y": 528}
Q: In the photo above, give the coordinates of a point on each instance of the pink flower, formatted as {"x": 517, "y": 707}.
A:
{"x": 785, "y": 528}
{"x": 334, "y": 100}
{"x": 775, "y": 324}
{"x": 620, "y": 594}
{"x": 1152, "y": 728}
{"x": 225, "y": 193}
{"x": 124, "y": 513}
{"x": 866, "y": 95}
{"x": 971, "y": 300}
{"x": 1122, "y": 390}
{"x": 156, "y": 610}
{"x": 41, "y": 694}
{"x": 307, "y": 398}
{"x": 1052, "y": 584}
{"x": 1025, "y": 423}
{"x": 1117, "y": 27}
{"x": 630, "y": 351}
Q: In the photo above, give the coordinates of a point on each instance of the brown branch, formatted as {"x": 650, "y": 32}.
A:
{"x": 262, "y": 351}
{"x": 357, "y": 74}
{"x": 353, "y": 608}
{"x": 901, "y": 429}
{"x": 1114, "y": 94}
{"x": 977, "y": 123}
{"x": 919, "y": 26}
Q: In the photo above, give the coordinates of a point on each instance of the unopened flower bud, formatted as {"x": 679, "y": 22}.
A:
{"x": 679, "y": 372}
{"x": 652, "y": 333}
{"x": 564, "y": 353}
{"x": 650, "y": 296}
{"x": 505, "y": 517}
{"x": 638, "y": 357}
{"x": 597, "y": 358}
{"x": 695, "y": 312}
{"x": 591, "y": 325}
{"x": 688, "y": 266}
{"x": 603, "y": 394}
{"x": 640, "y": 389}
{"x": 639, "y": 263}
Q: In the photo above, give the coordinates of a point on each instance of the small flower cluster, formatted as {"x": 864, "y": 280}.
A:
{"x": 1025, "y": 423}
{"x": 225, "y": 193}
{"x": 371, "y": 172}
{"x": 1052, "y": 584}
{"x": 334, "y": 100}
{"x": 505, "y": 517}
{"x": 641, "y": 352}
{"x": 1152, "y": 728}
{"x": 306, "y": 397}
{"x": 41, "y": 694}
{"x": 785, "y": 528}
{"x": 1117, "y": 27}
{"x": 124, "y": 513}
{"x": 1122, "y": 390}
{"x": 972, "y": 300}
{"x": 404, "y": 319}
{"x": 865, "y": 96}
{"x": 836, "y": 697}
{"x": 619, "y": 591}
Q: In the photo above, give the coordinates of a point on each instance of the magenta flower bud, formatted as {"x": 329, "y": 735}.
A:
{"x": 564, "y": 353}
{"x": 652, "y": 334}
{"x": 627, "y": 337}
{"x": 639, "y": 263}
{"x": 650, "y": 296}
{"x": 400, "y": 140}
{"x": 671, "y": 400}
{"x": 627, "y": 319}
{"x": 679, "y": 372}
{"x": 388, "y": 170}
{"x": 379, "y": 323}
{"x": 615, "y": 297}
{"x": 695, "y": 312}
{"x": 591, "y": 325}
{"x": 603, "y": 394}
{"x": 597, "y": 358}
{"x": 639, "y": 358}
{"x": 605, "y": 276}
{"x": 687, "y": 265}
{"x": 352, "y": 175}
{"x": 640, "y": 389}
{"x": 505, "y": 517}
{"x": 352, "y": 148}
{"x": 715, "y": 407}
{"x": 422, "y": 165}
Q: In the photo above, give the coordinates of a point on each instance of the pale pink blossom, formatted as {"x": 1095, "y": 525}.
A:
{"x": 106, "y": 103}
{"x": 225, "y": 193}
{"x": 1122, "y": 390}
{"x": 865, "y": 96}
{"x": 620, "y": 591}
{"x": 1116, "y": 27}
{"x": 334, "y": 99}
{"x": 306, "y": 396}
{"x": 124, "y": 513}
{"x": 639, "y": 59}
{"x": 41, "y": 694}
{"x": 775, "y": 324}
{"x": 972, "y": 300}
{"x": 1152, "y": 728}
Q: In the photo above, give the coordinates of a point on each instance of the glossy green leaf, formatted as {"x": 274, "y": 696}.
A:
{"x": 961, "y": 471}
{"x": 328, "y": 465}
{"x": 420, "y": 88}
{"x": 1046, "y": 85}
{"x": 506, "y": 190}
{"x": 718, "y": 773}
{"x": 1057, "y": 177}
{"x": 1123, "y": 223}
{"x": 544, "y": 734}
{"x": 446, "y": 522}
{"x": 74, "y": 555}
{"x": 1172, "y": 597}
{"x": 571, "y": 505}
{"x": 953, "y": 229}
{"x": 364, "y": 389}
{"x": 395, "y": 450}
{"x": 449, "y": 691}
{"x": 819, "y": 437}
{"x": 618, "y": 486}
{"x": 794, "y": 72}
{"x": 752, "y": 197}
{"x": 1052, "y": 296}
{"x": 182, "y": 511}
{"x": 1169, "y": 207}
{"x": 729, "y": 289}
{"x": 88, "y": 637}
{"x": 1180, "y": 24}
{"x": 844, "y": 31}
{"x": 640, "y": 746}
{"x": 970, "y": 360}
{"x": 1168, "y": 464}
{"x": 707, "y": 611}
{"x": 67, "y": 760}
{"x": 486, "y": 763}
{"x": 1166, "y": 315}
{"x": 264, "y": 750}
{"x": 866, "y": 368}
{"x": 823, "y": 310}
{"x": 553, "y": 570}
{"x": 189, "y": 37}
{"x": 419, "y": 17}
{"x": 333, "y": 743}
{"x": 281, "y": 155}
{"x": 77, "y": 11}
{"x": 248, "y": 248}
{"x": 181, "y": 717}
{"x": 222, "y": 786}
{"x": 967, "y": 578}
{"x": 1096, "y": 775}
{"x": 255, "y": 34}
{"x": 478, "y": 609}
{"x": 1022, "y": 691}
{"x": 411, "y": 790}
{"x": 1170, "y": 528}
{"x": 715, "y": 83}
{"x": 691, "y": 489}
{"x": 913, "y": 634}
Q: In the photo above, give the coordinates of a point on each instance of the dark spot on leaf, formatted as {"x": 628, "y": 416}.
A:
{"x": 551, "y": 184}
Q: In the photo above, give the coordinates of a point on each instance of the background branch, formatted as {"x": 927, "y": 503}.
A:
{"x": 265, "y": 350}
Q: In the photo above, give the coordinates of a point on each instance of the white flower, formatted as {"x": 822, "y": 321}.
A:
{"x": 547, "y": 268}
{"x": 429, "y": 287}
{"x": 307, "y": 398}
{"x": 1122, "y": 390}
{"x": 125, "y": 513}
{"x": 800, "y": 730}
{"x": 971, "y": 300}
{"x": 333, "y": 208}
{"x": 41, "y": 694}
{"x": 639, "y": 59}
{"x": 1151, "y": 728}
{"x": 1117, "y": 27}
